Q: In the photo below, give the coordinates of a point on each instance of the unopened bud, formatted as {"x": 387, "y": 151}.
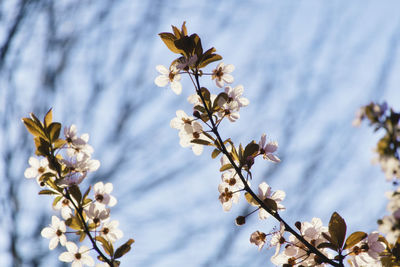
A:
{"x": 298, "y": 225}
{"x": 240, "y": 220}
{"x": 196, "y": 114}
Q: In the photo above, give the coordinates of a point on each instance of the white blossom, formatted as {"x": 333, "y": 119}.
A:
{"x": 77, "y": 257}
{"x": 55, "y": 232}
{"x": 102, "y": 194}
{"x": 170, "y": 76}
{"x": 221, "y": 74}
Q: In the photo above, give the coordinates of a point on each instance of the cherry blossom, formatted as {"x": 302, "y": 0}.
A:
{"x": 110, "y": 231}
{"x": 102, "y": 194}
{"x": 227, "y": 196}
{"x": 221, "y": 74}
{"x": 267, "y": 149}
{"x": 264, "y": 192}
{"x": 37, "y": 168}
{"x": 171, "y": 76}
{"x": 55, "y": 232}
{"x": 78, "y": 257}
{"x": 258, "y": 238}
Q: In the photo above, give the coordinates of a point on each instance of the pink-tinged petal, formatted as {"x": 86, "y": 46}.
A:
{"x": 279, "y": 195}
{"x": 98, "y": 187}
{"x": 66, "y": 257}
{"x": 271, "y": 147}
{"x": 63, "y": 240}
{"x": 77, "y": 264}
{"x": 86, "y": 259}
{"x": 161, "y": 81}
{"x": 263, "y": 140}
{"x": 197, "y": 149}
{"x": 227, "y": 206}
{"x": 53, "y": 243}
{"x": 163, "y": 70}
{"x": 176, "y": 87}
{"x": 243, "y": 102}
{"x": 228, "y": 78}
{"x": 108, "y": 188}
{"x": 220, "y": 83}
{"x": 229, "y": 68}
{"x": 71, "y": 247}
{"x": 263, "y": 190}
{"x": 55, "y": 221}
{"x": 238, "y": 90}
{"x": 263, "y": 214}
{"x": 272, "y": 158}
{"x": 34, "y": 162}
{"x": 30, "y": 173}
{"x": 112, "y": 202}
{"x": 47, "y": 232}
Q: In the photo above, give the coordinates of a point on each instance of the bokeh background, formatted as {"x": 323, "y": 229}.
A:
{"x": 306, "y": 67}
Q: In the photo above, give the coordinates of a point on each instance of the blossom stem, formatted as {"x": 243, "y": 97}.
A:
{"x": 289, "y": 229}
{"x": 80, "y": 215}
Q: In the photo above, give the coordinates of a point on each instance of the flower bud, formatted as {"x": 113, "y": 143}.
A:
{"x": 240, "y": 220}
{"x": 196, "y": 114}
{"x": 298, "y": 225}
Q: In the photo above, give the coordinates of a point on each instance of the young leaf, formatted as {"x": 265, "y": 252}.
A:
{"x": 270, "y": 203}
{"x": 33, "y": 128}
{"x": 354, "y": 238}
{"x": 122, "y": 250}
{"x": 251, "y": 200}
{"x": 75, "y": 192}
{"x": 48, "y": 118}
{"x": 169, "y": 40}
{"x": 251, "y": 149}
{"x": 337, "y": 229}
{"x": 215, "y": 153}
{"x": 108, "y": 247}
{"x": 53, "y": 131}
{"x": 47, "y": 192}
{"x": 226, "y": 167}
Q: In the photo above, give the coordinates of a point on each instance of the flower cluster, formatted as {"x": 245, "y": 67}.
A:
{"x": 65, "y": 164}
{"x": 312, "y": 244}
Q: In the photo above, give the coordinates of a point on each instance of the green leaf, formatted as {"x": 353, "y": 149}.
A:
{"x": 209, "y": 59}
{"x": 221, "y": 99}
{"x": 75, "y": 192}
{"x": 123, "y": 249}
{"x": 251, "y": 200}
{"x": 226, "y": 167}
{"x": 354, "y": 238}
{"x": 270, "y": 203}
{"x": 33, "y": 128}
{"x": 56, "y": 200}
{"x": 337, "y": 229}
{"x": 53, "y": 131}
{"x": 169, "y": 40}
{"x": 74, "y": 223}
{"x": 215, "y": 153}
{"x": 209, "y": 136}
{"x": 86, "y": 193}
{"x": 82, "y": 236}
{"x": 48, "y": 118}
{"x": 47, "y": 192}
{"x": 251, "y": 150}
{"x": 201, "y": 142}
{"x": 108, "y": 247}
{"x": 183, "y": 29}
{"x": 58, "y": 143}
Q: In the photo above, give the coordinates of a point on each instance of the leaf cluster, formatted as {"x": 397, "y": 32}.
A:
{"x": 179, "y": 42}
